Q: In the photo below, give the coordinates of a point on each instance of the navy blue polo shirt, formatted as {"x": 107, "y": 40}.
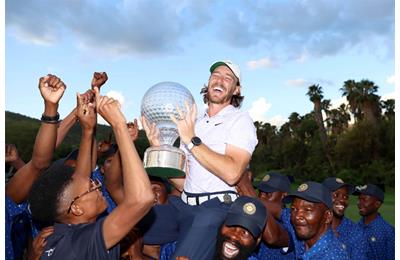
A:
{"x": 352, "y": 237}
{"x": 82, "y": 241}
{"x": 327, "y": 247}
{"x": 379, "y": 236}
{"x": 271, "y": 253}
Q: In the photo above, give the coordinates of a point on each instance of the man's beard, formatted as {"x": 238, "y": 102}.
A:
{"x": 244, "y": 251}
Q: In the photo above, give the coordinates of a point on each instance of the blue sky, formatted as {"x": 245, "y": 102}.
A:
{"x": 281, "y": 46}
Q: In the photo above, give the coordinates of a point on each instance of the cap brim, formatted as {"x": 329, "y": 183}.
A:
{"x": 266, "y": 188}
{"x": 291, "y": 197}
{"x": 244, "y": 222}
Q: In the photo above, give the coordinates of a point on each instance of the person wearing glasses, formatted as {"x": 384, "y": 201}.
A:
{"x": 74, "y": 202}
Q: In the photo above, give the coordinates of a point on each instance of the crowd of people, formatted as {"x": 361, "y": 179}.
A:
{"x": 99, "y": 203}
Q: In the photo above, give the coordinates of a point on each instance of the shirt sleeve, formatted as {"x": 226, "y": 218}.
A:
{"x": 242, "y": 133}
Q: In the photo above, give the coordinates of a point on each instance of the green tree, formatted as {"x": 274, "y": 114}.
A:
{"x": 315, "y": 94}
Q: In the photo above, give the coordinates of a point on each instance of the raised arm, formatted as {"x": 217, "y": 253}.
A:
{"x": 113, "y": 175}
{"x": 229, "y": 166}
{"x": 51, "y": 89}
{"x": 138, "y": 195}
{"x": 65, "y": 125}
{"x": 87, "y": 117}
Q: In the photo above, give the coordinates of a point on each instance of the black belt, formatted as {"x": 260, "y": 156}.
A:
{"x": 195, "y": 199}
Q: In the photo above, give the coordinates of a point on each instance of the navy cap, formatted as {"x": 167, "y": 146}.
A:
{"x": 249, "y": 213}
{"x": 313, "y": 192}
{"x": 333, "y": 184}
{"x": 371, "y": 190}
{"x": 274, "y": 182}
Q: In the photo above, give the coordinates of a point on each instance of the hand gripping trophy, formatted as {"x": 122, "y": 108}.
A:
{"x": 158, "y": 103}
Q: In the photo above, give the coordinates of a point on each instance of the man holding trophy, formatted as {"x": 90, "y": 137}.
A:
{"x": 218, "y": 144}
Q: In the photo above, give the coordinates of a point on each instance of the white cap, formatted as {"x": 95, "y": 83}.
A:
{"x": 232, "y": 66}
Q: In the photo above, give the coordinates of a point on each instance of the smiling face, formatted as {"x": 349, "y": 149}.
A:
{"x": 310, "y": 220}
{"x": 234, "y": 242}
{"x": 340, "y": 199}
{"x": 222, "y": 85}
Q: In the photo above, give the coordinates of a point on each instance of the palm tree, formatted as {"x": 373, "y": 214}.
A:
{"x": 363, "y": 102}
{"x": 315, "y": 94}
{"x": 350, "y": 91}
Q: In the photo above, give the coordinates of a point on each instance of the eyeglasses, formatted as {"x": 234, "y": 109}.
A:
{"x": 94, "y": 185}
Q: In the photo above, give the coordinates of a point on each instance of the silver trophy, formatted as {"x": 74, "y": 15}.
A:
{"x": 158, "y": 103}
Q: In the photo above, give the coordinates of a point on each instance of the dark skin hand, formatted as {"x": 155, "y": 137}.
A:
{"x": 11, "y": 153}
{"x": 99, "y": 78}
{"x": 39, "y": 243}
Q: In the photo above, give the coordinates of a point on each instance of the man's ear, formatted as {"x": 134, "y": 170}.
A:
{"x": 284, "y": 194}
{"x": 237, "y": 91}
{"x": 76, "y": 210}
{"x": 328, "y": 216}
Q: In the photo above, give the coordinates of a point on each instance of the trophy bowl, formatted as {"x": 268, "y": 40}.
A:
{"x": 158, "y": 103}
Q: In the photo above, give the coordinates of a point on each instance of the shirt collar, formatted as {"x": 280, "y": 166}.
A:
{"x": 226, "y": 110}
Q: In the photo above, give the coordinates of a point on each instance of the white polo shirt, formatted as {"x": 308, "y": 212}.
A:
{"x": 230, "y": 126}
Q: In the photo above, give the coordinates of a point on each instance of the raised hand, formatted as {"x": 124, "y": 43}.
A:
{"x": 152, "y": 132}
{"x": 51, "y": 88}
{"x": 40, "y": 242}
{"x": 109, "y": 109}
{"x": 86, "y": 113}
{"x": 11, "y": 153}
{"x": 133, "y": 130}
{"x": 186, "y": 122}
{"x": 99, "y": 78}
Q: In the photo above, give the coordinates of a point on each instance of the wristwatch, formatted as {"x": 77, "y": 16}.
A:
{"x": 195, "y": 141}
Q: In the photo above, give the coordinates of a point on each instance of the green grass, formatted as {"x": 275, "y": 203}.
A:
{"x": 386, "y": 210}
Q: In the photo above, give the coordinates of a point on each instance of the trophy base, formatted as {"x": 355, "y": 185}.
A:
{"x": 164, "y": 161}
{"x": 164, "y": 172}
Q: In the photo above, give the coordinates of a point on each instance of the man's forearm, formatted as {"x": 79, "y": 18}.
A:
{"x": 113, "y": 179}
{"x": 65, "y": 125}
{"x": 83, "y": 162}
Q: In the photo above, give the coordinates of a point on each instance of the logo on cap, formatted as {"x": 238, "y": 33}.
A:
{"x": 338, "y": 180}
{"x": 266, "y": 177}
{"x": 249, "y": 208}
{"x": 361, "y": 187}
{"x": 373, "y": 239}
{"x": 303, "y": 187}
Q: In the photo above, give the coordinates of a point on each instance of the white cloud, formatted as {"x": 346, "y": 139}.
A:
{"x": 118, "y": 96}
{"x": 391, "y": 79}
{"x": 297, "y": 82}
{"x": 261, "y": 63}
{"x": 258, "y": 109}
